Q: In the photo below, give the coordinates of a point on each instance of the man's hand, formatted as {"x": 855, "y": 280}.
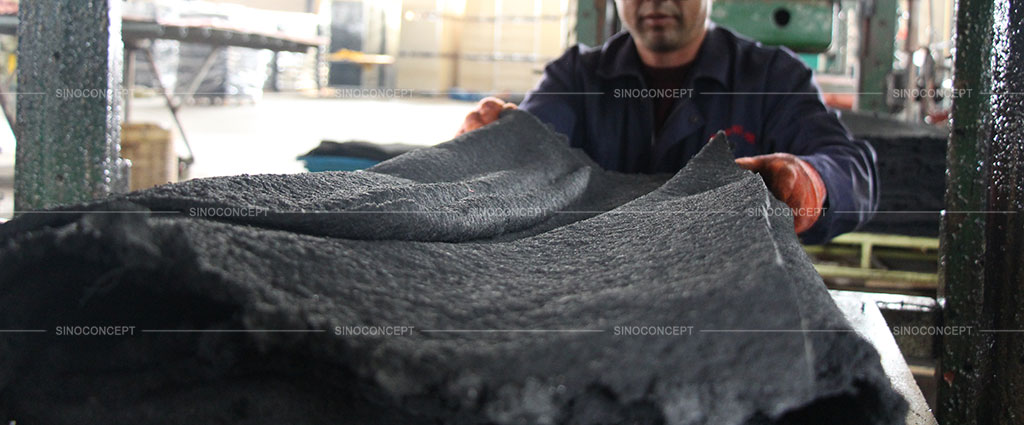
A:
{"x": 486, "y": 112}
{"x": 792, "y": 180}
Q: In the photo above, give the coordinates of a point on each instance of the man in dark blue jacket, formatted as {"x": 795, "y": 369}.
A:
{"x": 650, "y": 98}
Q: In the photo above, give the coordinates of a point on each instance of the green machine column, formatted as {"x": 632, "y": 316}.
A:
{"x": 981, "y": 374}
{"x": 69, "y": 105}
{"x": 878, "y": 38}
{"x": 589, "y": 20}
{"x": 801, "y": 25}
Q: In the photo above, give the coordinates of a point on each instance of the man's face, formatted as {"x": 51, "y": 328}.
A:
{"x": 664, "y": 25}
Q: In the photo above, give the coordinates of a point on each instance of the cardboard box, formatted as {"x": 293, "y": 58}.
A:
{"x": 435, "y": 35}
{"x": 477, "y": 38}
{"x": 425, "y": 75}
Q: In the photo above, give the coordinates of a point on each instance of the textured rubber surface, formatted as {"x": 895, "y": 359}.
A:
{"x": 504, "y": 228}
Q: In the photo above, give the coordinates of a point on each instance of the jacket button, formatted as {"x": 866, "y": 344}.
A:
{"x": 694, "y": 119}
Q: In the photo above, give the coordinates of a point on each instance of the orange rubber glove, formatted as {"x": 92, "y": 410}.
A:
{"x": 486, "y": 112}
{"x": 792, "y": 180}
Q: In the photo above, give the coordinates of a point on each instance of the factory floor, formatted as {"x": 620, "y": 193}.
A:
{"x": 265, "y": 137}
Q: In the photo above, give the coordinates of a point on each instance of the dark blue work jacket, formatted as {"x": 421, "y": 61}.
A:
{"x": 763, "y": 97}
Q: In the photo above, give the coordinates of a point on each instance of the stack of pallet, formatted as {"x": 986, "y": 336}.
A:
{"x": 427, "y": 45}
{"x": 479, "y": 46}
{"x": 505, "y": 43}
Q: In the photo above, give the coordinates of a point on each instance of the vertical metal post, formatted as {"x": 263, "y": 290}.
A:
{"x": 982, "y": 242}
{"x": 69, "y": 106}
{"x": 129, "y": 81}
{"x": 877, "y": 44}
{"x": 275, "y": 73}
{"x": 589, "y": 22}
{"x": 322, "y": 66}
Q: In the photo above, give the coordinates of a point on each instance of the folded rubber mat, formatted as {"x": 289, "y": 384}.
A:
{"x": 516, "y": 283}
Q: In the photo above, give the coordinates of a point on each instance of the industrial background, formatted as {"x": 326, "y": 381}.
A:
{"x": 213, "y": 88}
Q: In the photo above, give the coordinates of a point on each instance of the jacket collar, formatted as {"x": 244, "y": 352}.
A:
{"x": 619, "y": 57}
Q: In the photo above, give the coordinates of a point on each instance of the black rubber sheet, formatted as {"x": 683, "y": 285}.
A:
{"x": 911, "y": 173}
{"x": 509, "y": 272}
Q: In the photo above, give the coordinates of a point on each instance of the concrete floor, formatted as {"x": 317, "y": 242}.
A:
{"x": 267, "y": 136}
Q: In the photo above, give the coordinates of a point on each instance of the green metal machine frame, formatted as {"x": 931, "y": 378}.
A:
{"x": 982, "y": 267}
{"x": 802, "y": 25}
{"x": 591, "y": 22}
{"x": 877, "y": 47}
{"x": 69, "y": 105}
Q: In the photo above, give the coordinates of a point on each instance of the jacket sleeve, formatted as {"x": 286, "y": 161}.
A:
{"x": 555, "y": 100}
{"x": 798, "y": 123}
